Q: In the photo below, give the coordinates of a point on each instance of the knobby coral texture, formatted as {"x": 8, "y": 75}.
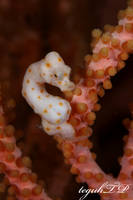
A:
{"x": 15, "y": 167}
{"x": 66, "y": 104}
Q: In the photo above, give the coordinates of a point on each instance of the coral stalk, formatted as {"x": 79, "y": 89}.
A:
{"x": 16, "y": 168}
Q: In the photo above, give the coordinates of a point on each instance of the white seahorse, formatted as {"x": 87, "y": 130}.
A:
{"x": 53, "y": 110}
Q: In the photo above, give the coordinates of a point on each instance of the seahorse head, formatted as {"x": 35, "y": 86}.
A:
{"x": 56, "y": 72}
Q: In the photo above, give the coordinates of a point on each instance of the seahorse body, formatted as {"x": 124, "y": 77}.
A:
{"x": 53, "y": 110}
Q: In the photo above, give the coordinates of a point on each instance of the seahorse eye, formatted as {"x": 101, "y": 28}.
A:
{"x": 58, "y": 75}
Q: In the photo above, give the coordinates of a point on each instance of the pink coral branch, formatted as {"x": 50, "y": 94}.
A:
{"x": 14, "y": 165}
{"x": 109, "y": 51}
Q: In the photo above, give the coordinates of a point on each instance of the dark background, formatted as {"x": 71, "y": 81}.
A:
{"x": 28, "y": 30}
